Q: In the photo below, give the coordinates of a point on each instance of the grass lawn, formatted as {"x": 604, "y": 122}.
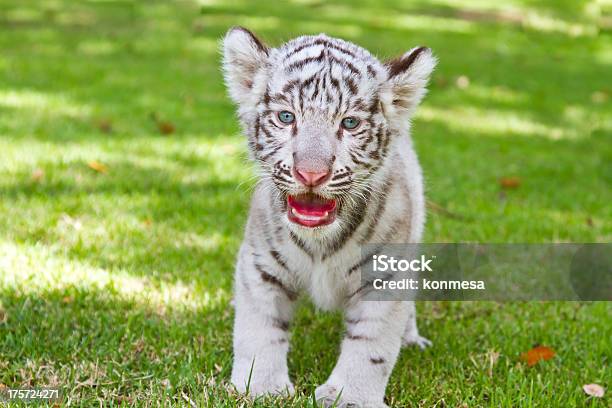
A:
{"x": 124, "y": 190}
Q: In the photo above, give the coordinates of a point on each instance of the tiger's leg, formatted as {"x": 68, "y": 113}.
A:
{"x": 264, "y": 307}
{"x": 411, "y": 334}
{"x": 368, "y": 353}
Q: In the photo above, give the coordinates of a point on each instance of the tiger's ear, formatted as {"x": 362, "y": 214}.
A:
{"x": 244, "y": 57}
{"x": 408, "y": 76}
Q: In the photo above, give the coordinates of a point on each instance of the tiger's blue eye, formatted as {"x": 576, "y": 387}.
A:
{"x": 350, "y": 123}
{"x": 286, "y": 117}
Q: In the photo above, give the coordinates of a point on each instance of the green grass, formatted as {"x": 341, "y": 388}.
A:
{"x": 116, "y": 285}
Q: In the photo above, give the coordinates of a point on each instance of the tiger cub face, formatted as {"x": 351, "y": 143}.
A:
{"x": 321, "y": 114}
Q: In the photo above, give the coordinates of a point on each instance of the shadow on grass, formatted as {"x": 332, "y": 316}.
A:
{"x": 152, "y": 222}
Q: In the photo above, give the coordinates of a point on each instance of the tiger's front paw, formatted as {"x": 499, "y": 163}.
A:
{"x": 260, "y": 382}
{"x": 331, "y": 395}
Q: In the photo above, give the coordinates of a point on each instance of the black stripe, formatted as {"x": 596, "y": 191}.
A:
{"x": 279, "y": 176}
{"x": 257, "y": 125}
{"x": 260, "y": 45}
{"x": 378, "y": 360}
{"x": 316, "y": 89}
{"x": 340, "y": 183}
{"x": 279, "y": 259}
{"x": 361, "y": 132}
{"x": 358, "y": 161}
{"x": 255, "y": 146}
{"x": 271, "y": 122}
{"x": 334, "y": 82}
{"x": 290, "y": 85}
{"x": 280, "y": 324}
{"x": 266, "y": 277}
{"x": 345, "y": 64}
{"x": 302, "y": 47}
{"x": 367, "y": 285}
{"x": 268, "y": 155}
{"x": 359, "y": 264}
{"x": 339, "y": 133}
{"x": 341, "y": 49}
{"x": 357, "y": 337}
{"x": 269, "y": 136}
{"x": 379, "y": 211}
{"x": 279, "y": 98}
{"x": 355, "y": 218}
{"x": 340, "y": 176}
{"x": 267, "y": 112}
{"x": 401, "y": 64}
{"x": 386, "y": 139}
{"x": 359, "y": 104}
{"x": 371, "y": 71}
{"x": 323, "y": 42}
{"x": 301, "y": 98}
{"x": 374, "y": 105}
{"x": 307, "y": 82}
{"x": 301, "y": 63}
{"x": 379, "y": 136}
{"x": 352, "y": 86}
{"x": 300, "y": 244}
{"x": 284, "y": 171}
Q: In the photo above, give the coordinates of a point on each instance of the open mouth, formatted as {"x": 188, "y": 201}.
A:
{"x": 311, "y": 210}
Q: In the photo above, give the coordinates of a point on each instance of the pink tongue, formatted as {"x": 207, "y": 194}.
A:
{"x": 310, "y": 204}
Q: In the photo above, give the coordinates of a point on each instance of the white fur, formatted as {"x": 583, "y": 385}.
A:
{"x": 375, "y": 330}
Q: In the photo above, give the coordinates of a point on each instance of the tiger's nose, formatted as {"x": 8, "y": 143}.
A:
{"x": 310, "y": 178}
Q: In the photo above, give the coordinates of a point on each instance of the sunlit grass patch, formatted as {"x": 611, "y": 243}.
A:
{"x": 40, "y": 103}
{"x": 31, "y": 270}
{"x": 495, "y": 122}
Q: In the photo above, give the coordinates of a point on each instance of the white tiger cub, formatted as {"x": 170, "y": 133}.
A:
{"x": 329, "y": 125}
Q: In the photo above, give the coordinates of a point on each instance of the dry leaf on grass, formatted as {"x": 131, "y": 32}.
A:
{"x": 165, "y": 127}
{"x": 105, "y": 126}
{"x": 3, "y": 316}
{"x": 67, "y": 299}
{"x": 594, "y": 390}
{"x": 97, "y": 166}
{"x": 533, "y": 356}
{"x": 509, "y": 182}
